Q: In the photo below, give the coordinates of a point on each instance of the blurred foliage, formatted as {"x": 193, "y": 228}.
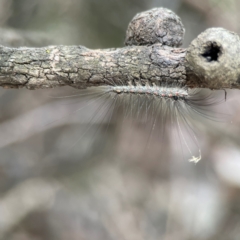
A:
{"x": 108, "y": 188}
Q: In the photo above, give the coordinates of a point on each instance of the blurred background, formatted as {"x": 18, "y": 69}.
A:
{"x": 58, "y": 183}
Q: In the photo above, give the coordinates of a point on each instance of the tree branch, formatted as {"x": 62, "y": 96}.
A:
{"x": 81, "y": 67}
{"x": 211, "y": 61}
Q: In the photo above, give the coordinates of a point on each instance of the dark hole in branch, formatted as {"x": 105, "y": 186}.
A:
{"x": 212, "y": 52}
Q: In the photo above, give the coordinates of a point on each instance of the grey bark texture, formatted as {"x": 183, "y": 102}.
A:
{"x": 81, "y": 67}
{"x": 211, "y": 61}
{"x": 158, "y": 25}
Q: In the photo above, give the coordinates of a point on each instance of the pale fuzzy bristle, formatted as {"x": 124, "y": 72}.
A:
{"x": 158, "y": 106}
{"x": 161, "y": 102}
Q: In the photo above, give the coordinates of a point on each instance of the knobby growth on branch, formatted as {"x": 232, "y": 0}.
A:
{"x": 151, "y": 53}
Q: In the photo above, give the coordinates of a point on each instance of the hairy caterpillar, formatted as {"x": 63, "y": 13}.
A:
{"x": 161, "y": 96}
{"x": 157, "y": 105}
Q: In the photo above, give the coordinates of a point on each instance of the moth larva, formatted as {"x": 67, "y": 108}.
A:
{"x": 155, "y": 104}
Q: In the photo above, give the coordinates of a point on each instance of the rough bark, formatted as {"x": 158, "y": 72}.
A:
{"x": 211, "y": 61}
{"x": 158, "y": 25}
{"x": 81, "y": 67}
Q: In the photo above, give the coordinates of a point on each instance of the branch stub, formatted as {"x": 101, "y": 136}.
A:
{"x": 213, "y": 59}
{"x": 158, "y": 25}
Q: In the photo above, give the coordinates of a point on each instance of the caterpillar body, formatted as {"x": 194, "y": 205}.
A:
{"x": 156, "y": 104}
{"x": 163, "y": 98}
{"x": 154, "y": 90}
